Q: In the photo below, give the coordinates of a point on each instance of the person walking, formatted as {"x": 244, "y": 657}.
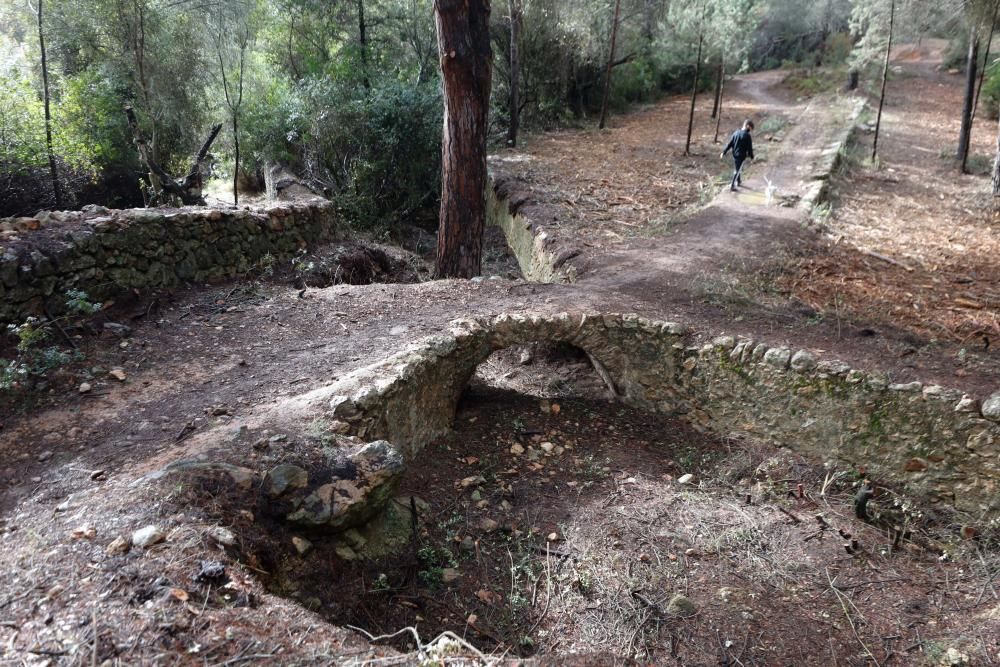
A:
{"x": 741, "y": 144}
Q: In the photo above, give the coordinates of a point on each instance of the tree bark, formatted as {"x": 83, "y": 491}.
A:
{"x": 611, "y": 60}
{"x": 986, "y": 59}
{"x": 53, "y": 172}
{"x": 363, "y": 45}
{"x": 236, "y": 159}
{"x": 996, "y": 166}
{"x": 718, "y": 88}
{"x": 965, "y": 133}
{"x": 694, "y": 93}
{"x": 718, "y": 116}
{"x": 885, "y": 77}
{"x": 463, "y": 29}
{"x": 515, "y": 71}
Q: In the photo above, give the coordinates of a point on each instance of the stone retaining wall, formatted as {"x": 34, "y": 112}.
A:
{"x": 934, "y": 442}
{"x": 107, "y": 252}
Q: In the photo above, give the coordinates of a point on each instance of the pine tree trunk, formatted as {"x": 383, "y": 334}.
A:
{"x": 718, "y": 115}
{"x": 986, "y": 60}
{"x": 463, "y": 29}
{"x": 965, "y": 133}
{"x": 611, "y": 60}
{"x": 694, "y": 93}
{"x": 53, "y": 172}
{"x": 515, "y": 71}
{"x": 718, "y": 88}
{"x": 885, "y": 77}
{"x": 236, "y": 159}
{"x": 996, "y": 166}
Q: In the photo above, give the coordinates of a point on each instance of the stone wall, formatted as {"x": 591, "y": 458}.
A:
{"x": 934, "y": 442}
{"x": 106, "y": 252}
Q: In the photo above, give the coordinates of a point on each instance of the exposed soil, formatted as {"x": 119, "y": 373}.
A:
{"x": 559, "y": 523}
{"x": 656, "y": 241}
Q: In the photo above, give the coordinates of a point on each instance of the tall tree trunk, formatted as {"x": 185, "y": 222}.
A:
{"x": 363, "y": 45}
{"x": 694, "y": 92}
{"x": 718, "y": 116}
{"x": 611, "y": 60}
{"x": 885, "y": 77}
{"x": 965, "y": 133}
{"x": 515, "y": 71}
{"x": 53, "y": 172}
{"x": 236, "y": 159}
{"x": 463, "y": 29}
{"x": 996, "y": 166}
{"x": 718, "y": 87}
{"x": 986, "y": 59}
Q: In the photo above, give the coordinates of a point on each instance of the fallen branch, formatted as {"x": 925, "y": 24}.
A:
{"x": 888, "y": 260}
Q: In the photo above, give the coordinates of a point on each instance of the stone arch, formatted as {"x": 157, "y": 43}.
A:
{"x": 411, "y": 397}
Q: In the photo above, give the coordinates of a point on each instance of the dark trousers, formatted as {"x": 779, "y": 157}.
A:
{"x": 737, "y": 167}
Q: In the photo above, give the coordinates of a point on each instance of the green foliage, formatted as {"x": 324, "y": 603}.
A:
{"x": 35, "y": 356}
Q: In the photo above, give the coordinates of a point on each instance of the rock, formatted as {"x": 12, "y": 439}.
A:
{"x": 681, "y": 607}
{"x": 360, "y": 486}
{"x": 84, "y": 532}
{"x": 221, "y": 535}
{"x": 44, "y": 456}
{"x": 473, "y": 480}
{"x": 210, "y": 571}
{"x": 991, "y": 407}
{"x": 345, "y": 552}
{"x": 778, "y": 357}
{"x": 468, "y": 544}
{"x": 685, "y": 479}
{"x": 340, "y": 427}
{"x": 967, "y": 404}
{"x": 242, "y": 478}
{"x": 302, "y": 545}
{"x": 284, "y": 477}
{"x": 803, "y": 361}
{"x": 117, "y": 329}
{"x": 516, "y": 449}
{"x": 118, "y": 374}
{"x": 120, "y": 545}
{"x": 527, "y": 356}
{"x": 954, "y": 658}
{"x": 916, "y": 465}
{"x": 547, "y": 447}
{"x": 488, "y": 525}
{"x": 148, "y": 536}
{"x": 355, "y": 539}
{"x": 552, "y": 537}
{"x": 85, "y": 388}
{"x": 450, "y": 574}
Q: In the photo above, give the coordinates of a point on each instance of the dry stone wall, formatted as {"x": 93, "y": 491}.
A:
{"x": 935, "y": 442}
{"x": 106, "y": 252}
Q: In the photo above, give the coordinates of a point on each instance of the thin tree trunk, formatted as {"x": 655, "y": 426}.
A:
{"x": 718, "y": 88}
{"x": 463, "y": 29}
{"x": 236, "y": 160}
{"x": 53, "y": 172}
{"x": 986, "y": 60}
{"x": 363, "y": 42}
{"x": 515, "y": 71}
{"x": 885, "y": 77}
{"x": 965, "y": 133}
{"x": 694, "y": 93}
{"x": 718, "y": 116}
{"x": 996, "y": 166}
{"x": 611, "y": 59}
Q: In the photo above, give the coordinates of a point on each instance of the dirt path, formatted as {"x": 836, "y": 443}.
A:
{"x": 658, "y": 239}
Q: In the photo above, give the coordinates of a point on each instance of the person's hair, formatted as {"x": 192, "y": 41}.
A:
{"x": 748, "y": 124}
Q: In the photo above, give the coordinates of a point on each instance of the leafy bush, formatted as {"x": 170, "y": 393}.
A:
{"x": 990, "y": 94}
{"x": 35, "y": 357}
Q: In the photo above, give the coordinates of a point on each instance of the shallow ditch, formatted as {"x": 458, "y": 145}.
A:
{"x": 557, "y": 522}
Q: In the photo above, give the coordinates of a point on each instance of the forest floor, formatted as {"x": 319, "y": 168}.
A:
{"x": 656, "y": 238}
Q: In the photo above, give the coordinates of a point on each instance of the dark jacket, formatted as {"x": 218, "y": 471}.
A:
{"x": 740, "y": 144}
